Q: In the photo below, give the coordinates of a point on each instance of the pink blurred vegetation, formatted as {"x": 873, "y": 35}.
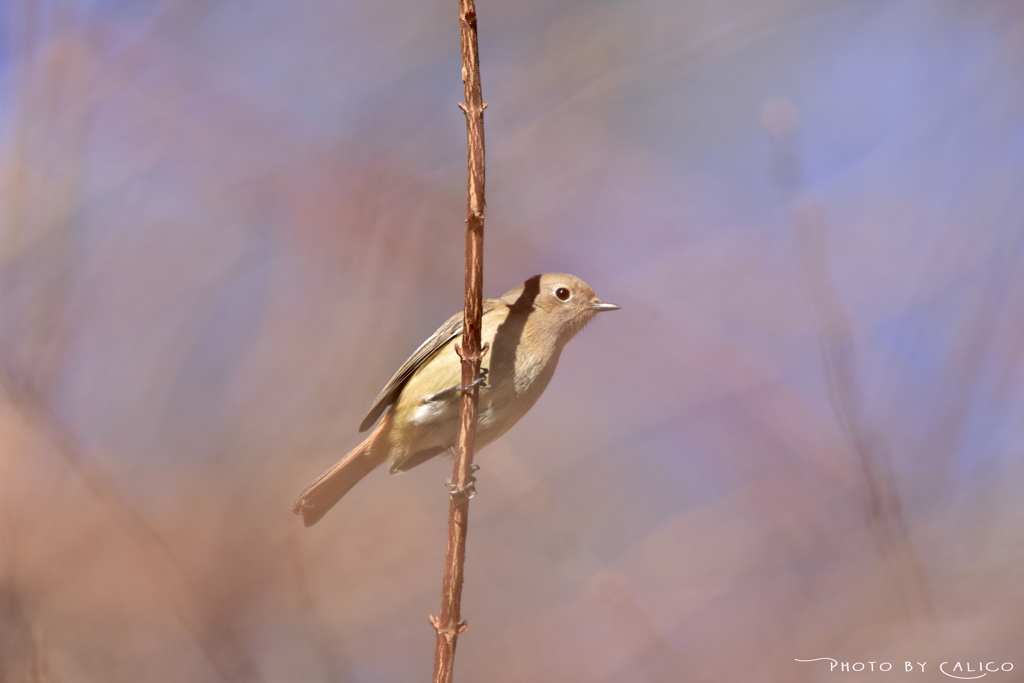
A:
{"x": 222, "y": 227}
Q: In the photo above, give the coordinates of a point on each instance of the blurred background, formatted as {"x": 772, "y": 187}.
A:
{"x": 224, "y": 225}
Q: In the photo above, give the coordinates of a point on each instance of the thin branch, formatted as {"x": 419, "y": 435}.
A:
{"x": 448, "y": 623}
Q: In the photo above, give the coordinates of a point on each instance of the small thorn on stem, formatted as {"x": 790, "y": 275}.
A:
{"x": 466, "y": 356}
{"x": 435, "y": 623}
{"x": 463, "y": 626}
{"x": 463, "y": 107}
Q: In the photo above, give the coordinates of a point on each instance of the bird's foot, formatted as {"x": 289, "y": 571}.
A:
{"x": 480, "y": 381}
{"x": 469, "y": 490}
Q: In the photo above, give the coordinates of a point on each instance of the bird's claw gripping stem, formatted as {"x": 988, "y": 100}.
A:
{"x": 469, "y": 490}
{"x": 480, "y": 381}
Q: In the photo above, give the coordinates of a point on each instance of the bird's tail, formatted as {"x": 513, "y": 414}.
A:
{"x": 320, "y": 496}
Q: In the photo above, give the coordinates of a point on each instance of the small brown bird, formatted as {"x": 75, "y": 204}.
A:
{"x": 525, "y": 331}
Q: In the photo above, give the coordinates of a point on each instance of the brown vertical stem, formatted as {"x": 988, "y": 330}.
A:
{"x": 448, "y": 622}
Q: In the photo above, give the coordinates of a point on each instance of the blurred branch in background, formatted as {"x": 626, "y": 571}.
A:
{"x": 223, "y": 651}
{"x": 61, "y": 71}
{"x": 59, "y": 76}
{"x": 836, "y": 337}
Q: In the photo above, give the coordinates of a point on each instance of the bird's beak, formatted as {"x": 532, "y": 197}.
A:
{"x": 598, "y": 307}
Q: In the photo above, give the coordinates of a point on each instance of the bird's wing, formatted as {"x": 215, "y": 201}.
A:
{"x": 389, "y": 394}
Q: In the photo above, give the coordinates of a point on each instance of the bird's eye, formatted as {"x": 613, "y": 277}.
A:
{"x": 563, "y": 294}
